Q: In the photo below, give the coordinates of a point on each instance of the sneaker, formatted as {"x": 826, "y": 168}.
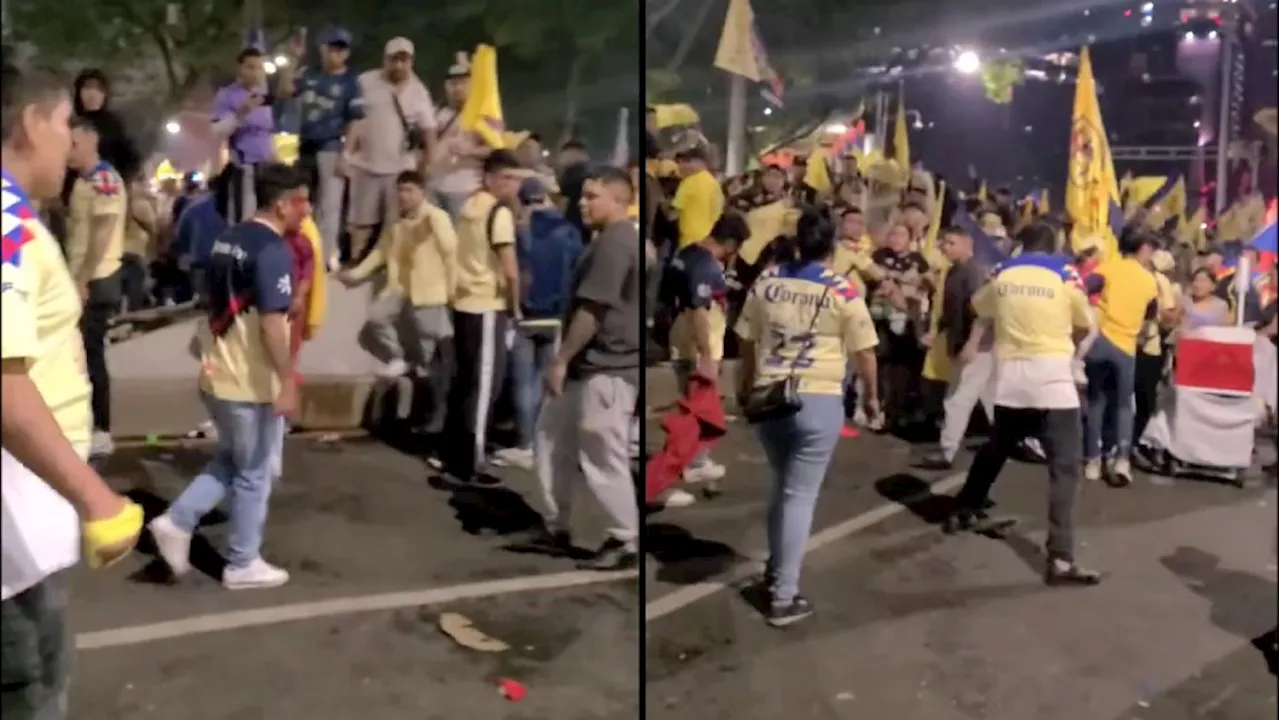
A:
{"x": 101, "y": 445}
{"x": 394, "y": 369}
{"x": 1093, "y": 470}
{"x": 557, "y": 543}
{"x": 936, "y": 460}
{"x": 978, "y": 522}
{"x": 205, "y": 429}
{"x": 255, "y": 575}
{"x": 678, "y": 498}
{"x": 514, "y": 457}
{"x": 1063, "y": 572}
{"x": 613, "y": 555}
{"x": 1121, "y": 474}
{"x": 703, "y": 472}
{"x": 790, "y": 613}
{"x": 172, "y": 543}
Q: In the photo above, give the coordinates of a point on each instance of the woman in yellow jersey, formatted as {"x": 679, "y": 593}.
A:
{"x": 801, "y": 325}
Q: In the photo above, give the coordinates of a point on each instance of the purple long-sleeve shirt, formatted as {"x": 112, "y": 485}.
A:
{"x": 250, "y": 143}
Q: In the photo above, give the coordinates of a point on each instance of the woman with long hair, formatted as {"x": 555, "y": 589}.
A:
{"x": 801, "y": 325}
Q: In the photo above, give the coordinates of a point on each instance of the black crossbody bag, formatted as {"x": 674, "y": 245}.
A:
{"x": 780, "y": 398}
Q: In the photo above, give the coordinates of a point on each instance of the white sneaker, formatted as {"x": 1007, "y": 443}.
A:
{"x": 703, "y": 472}
{"x": 257, "y": 574}
{"x": 101, "y": 445}
{"x": 172, "y": 543}
{"x": 1093, "y": 470}
{"x": 678, "y": 498}
{"x": 514, "y": 457}
{"x": 205, "y": 429}
{"x": 394, "y": 369}
{"x": 1121, "y": 472}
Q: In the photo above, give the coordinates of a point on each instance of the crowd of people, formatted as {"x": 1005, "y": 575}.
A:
{"x": 881, "y": 299}
{"x": 493, "y": 274}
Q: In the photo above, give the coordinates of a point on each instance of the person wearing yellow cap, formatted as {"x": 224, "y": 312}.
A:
{"x": 55, "y": 505}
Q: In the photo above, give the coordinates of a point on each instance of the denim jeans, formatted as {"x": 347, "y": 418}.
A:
{"x": 36, "y": 649}
{"x": 243, "y": 465}
{"x": 535, "y": 347}
{"x": 799, "y": 449}
{"x": 1110, "y": 372}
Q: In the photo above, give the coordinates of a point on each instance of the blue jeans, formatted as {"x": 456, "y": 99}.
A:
{"x": 535, "y": 347}
{"x": 1110, "y": 372}
{"x": 799, "y": 449}
{"x": 243, "y": 465}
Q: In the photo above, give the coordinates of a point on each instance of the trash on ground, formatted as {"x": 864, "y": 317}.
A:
{"x": 459, "y": 628}
{"x": 511, "y": 689}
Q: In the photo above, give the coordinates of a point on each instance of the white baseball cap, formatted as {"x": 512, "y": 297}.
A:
{"x": 396, "y": 46}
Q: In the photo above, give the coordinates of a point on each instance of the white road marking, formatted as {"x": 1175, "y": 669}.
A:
{"x": 218, "y": 622}
{"x": 690, "y": 594}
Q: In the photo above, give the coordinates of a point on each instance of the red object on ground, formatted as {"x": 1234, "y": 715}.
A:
{"x": 695, "y": 425}
{"x": 511, "y": 689}
{"x": 849, "y": 432}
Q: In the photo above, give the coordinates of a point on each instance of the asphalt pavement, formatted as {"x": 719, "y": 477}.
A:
{"x": 916, "y": 625}
{"x": 377, "y": 555}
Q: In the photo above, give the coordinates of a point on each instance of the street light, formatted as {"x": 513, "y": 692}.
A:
{"x": 270, "y": 67}
{"x": 968, "y": 62}
{"x": 918, "y": 123}
{"x": 281, "y": 61}
{"x": 172, "y": 127}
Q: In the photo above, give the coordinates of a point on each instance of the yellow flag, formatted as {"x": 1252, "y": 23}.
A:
{"x": 737, "y": 53}
{"x": 1043, "y": 206}
{"x": 1092, "y": 191}
{"x": 901, "y": 140}
{"x": 482, "y": 112}
{"x": 982, "y": 191}
{"x": 675, "y": 114}
{"x": 816, "y": 174}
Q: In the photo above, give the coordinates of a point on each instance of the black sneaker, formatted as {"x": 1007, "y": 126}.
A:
{"x": 791, "y": 613}
{"x": 936, "y": 460}
{"x": 1057, "y": 574}
{"x": 542, "y": 540}
{"x": 612, "y": 555}
{"x": 977, "y": 521}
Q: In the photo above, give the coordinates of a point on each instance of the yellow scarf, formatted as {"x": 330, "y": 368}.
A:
{"x": 319, "y": 276}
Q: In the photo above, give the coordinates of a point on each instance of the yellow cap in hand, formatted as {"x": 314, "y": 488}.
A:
{"x": 110, "y": 540}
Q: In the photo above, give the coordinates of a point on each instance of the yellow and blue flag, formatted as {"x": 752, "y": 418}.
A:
{"x": 1093, "y": 195}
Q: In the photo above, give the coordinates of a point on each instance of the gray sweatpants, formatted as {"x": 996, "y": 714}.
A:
{"x": 391, "y": 316}
{"x": 328, "y": 202}
{"x": 585, "y": 433}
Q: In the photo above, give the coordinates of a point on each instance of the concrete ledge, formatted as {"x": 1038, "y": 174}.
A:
{"x": 170, "y": 408}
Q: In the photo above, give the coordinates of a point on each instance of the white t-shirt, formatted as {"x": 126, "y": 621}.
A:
{"x": 450, "y": 173}
{"x": 1044, "y": 383}
{"x": 381, "y": 147}
{"x": 41, "y": 531}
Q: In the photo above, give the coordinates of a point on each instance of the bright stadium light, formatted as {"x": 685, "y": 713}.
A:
{"x": 968, "y": 62}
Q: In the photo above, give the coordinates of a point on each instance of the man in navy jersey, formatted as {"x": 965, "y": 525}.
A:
{"x": 246, "y": 381}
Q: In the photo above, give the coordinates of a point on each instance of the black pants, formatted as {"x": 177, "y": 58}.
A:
{"x": 481, "y": 353}
{"x": 133, "y": 281}
{"x": 104, "y": 301}
{"x": 1059, "y": 432}
{"x": 1147, "y": 370}
{"x": 36, "y": 649}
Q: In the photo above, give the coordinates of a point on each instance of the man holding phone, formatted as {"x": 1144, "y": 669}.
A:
{"x": 242, "y": 116}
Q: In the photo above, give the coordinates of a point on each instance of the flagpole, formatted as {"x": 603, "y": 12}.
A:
{"x": 1224, "y": 115}
{"x": 735, "y": 146}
